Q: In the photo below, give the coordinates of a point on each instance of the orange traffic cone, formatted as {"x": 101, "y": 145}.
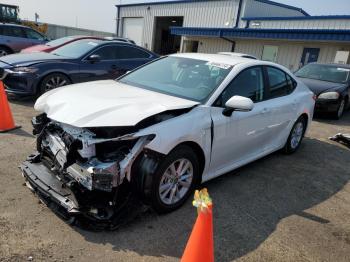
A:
{"x": 6, "y": 119}
{"x": 200, "y": 246}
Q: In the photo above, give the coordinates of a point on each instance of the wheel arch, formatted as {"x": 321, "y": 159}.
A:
{"x": 7, "y": 47}
{"x": 197, "y": 150}
{"x": 41, "y": 79}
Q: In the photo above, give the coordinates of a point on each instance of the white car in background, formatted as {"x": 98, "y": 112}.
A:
{"x": 162, "y": 130}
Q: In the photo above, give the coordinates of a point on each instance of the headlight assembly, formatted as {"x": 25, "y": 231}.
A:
{"x": 24, "y": 69}
{"x": 329, "y": 95}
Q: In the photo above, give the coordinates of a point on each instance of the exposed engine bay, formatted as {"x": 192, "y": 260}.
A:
{"x": 86, "y": 172}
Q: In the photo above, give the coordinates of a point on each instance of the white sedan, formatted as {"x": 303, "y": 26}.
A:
{"x": 161, "y": 130}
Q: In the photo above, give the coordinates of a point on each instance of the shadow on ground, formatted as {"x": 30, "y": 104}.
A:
{"x": 27, "y": 101}
{"x": 248, "y": 204}
{"x": 344, "y": 121}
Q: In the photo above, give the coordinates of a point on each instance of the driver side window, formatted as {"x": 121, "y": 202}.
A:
{"x": 249, "y": 83}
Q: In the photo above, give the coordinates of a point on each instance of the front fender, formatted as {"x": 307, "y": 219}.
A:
{"x": 193, "y": 126}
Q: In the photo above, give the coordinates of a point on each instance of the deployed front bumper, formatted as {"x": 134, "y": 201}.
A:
{"x": 49, "y": 188}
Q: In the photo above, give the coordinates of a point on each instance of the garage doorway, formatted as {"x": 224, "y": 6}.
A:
{"x": 133, "y": 29}
{"x": 164, "y": 42}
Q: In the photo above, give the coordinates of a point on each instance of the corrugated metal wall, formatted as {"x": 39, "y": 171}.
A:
{"x": 254, "y": 8}
{"x": 199, "y": 14}
{"x": 304, "y": 24}
{"x": 289, "y": 53}
{"x": 58, "y": 31}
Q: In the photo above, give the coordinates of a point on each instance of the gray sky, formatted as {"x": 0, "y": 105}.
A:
{"x": 100, "y": 14}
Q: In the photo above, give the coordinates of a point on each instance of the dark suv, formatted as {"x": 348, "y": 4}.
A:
{"x": 14, "y": 38}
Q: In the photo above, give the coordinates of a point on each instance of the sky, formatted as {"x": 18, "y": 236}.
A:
{"x": 101, "y": 14}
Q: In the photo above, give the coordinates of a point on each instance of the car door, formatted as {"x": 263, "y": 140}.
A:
{"x": 130, "y": 57}
{"x": 14, "y": 37}
{"x": 104, "y": 67}
{"x": 243, "y": 135}
{"x": 34, "y": 37}
{"x": 283, "y": 105}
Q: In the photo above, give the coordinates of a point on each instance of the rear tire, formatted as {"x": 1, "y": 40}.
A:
{"x": 5, "y": 51}
{"x": 296, "y": 136}
{"x": 53, "y": 81}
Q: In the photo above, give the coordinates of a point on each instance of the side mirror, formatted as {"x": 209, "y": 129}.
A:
{"x": 238, "y": 103}
{"x": 94, "y": 58}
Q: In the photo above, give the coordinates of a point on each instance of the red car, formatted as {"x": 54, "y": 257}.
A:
{"x": 54, "y": 44}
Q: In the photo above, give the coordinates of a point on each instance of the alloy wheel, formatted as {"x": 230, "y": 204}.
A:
{"x": 55, "y": 82}
{"x": 341, "y": 108}
{"x": 3, "y": 52}
{"x": 176, "y": 181}
{"x": 297, "y": 135}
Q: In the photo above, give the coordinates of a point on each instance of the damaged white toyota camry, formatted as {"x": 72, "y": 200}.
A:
{"x": 161, "y": 130}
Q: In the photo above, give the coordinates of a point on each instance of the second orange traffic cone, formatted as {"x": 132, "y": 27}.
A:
{"x": 6, "y": 119}
{"x": 200, "y": 246}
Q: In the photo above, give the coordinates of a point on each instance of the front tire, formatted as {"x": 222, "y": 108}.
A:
{"x": 296, "y": 136}
{"x": 4, "y": 51}
{"x": 53, "y": 81}
{"x": 175, "y": 179}
{"x": 341, "y": 109}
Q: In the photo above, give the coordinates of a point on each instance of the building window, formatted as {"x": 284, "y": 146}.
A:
{"x": 270, "y": 53}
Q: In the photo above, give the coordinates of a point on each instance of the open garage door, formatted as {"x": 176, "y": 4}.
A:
{"x": 133, "y": 28}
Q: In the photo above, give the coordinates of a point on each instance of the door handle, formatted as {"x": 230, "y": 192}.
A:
{"x": 114, "y": 67}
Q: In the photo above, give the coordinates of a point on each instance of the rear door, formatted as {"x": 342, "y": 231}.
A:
{"x": 14, "y": 37}
{"x": 283, "y": 104}
{"x": 34, "y": 37}
{"x": 310, "y": 55}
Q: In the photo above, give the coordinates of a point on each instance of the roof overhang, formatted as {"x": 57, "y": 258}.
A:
{"x": 281, "y": 34}
{"x": 195, "y": 1}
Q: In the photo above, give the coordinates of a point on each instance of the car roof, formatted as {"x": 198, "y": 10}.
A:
{"x": 238, "y": 54}
{"x": 101, "y": 41}
{"x": 347, "y": 66}
{"x": 217, "y": 58}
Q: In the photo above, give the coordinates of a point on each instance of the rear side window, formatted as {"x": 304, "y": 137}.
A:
{"x": 280, "y": 84}
{"x": 33, "y": 34}
{"x": 249, "y": 83}
{"x": 128, "y": 52}
{"x": 12, "y": 31}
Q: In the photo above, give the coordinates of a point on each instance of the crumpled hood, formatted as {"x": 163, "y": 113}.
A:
{"x": 318, "y": 86}
{"x": 105, "y": 103}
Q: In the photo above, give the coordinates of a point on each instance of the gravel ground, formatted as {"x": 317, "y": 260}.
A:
{"x": 280, "y": 208}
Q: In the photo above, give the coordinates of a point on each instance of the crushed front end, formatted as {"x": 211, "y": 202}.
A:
{"x": 82, "y": 172}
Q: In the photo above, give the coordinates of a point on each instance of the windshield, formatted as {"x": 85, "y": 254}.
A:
{"x": 76, "y": 49}
{"x": 59, "y": 41}
{"x": 327, "y": 73}
{"x": 182, "y": 77}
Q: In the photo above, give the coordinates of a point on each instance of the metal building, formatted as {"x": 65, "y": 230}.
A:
{"x": 266, "y": 29}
